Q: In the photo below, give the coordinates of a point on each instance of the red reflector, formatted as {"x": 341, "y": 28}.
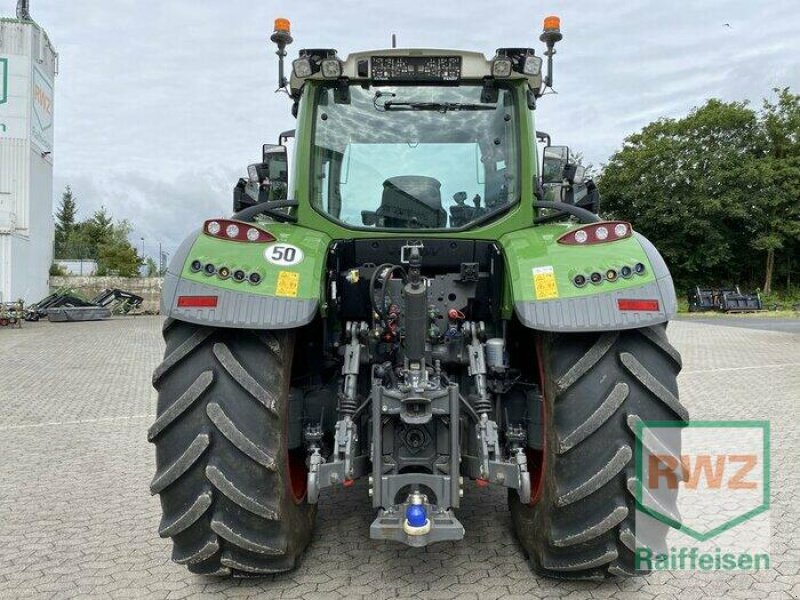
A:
{"x": 197, "y": 301}
{"x": 644, "y": 305}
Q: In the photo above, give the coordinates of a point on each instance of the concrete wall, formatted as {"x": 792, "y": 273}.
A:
{"x": 148, "y": 288}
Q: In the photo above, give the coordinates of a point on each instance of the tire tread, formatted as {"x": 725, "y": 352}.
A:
{"x": 223, "y": 497}
{"x": 598, "y": 387}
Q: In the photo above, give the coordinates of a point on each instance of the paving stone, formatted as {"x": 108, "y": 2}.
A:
{"x": 77, "y": 519}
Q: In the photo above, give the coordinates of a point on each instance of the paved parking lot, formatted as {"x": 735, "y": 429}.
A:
{"x": 77, "y": 520}
{"x": 750, "y": 321}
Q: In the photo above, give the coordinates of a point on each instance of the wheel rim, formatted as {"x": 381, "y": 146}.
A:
{"x": 298, "y": 474}
{"x": 536, "y": 460}
{"x": 536, "y": 470}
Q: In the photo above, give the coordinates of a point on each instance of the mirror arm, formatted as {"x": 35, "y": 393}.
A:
{"x": 284, "y": 136}
{"x": 544, "y": 137}
{"x": 538, "y": 189}
{"x": 269, "y": 209}
{"x": 583, "y": 215}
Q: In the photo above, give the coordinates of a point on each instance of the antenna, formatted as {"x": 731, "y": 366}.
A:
{"x": 394, "y": 41}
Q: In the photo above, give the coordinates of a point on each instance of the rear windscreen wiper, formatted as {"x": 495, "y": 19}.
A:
{"x": 437, "y": 106}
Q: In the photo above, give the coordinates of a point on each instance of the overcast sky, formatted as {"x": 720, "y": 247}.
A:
{"x": 160, "y": 105}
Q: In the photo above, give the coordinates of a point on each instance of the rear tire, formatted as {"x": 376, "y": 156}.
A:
{"x": 232, "y": 494}
{"x": 581, "y": 524}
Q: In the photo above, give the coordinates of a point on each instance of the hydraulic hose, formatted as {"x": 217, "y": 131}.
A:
{"x": 381, "y": 309}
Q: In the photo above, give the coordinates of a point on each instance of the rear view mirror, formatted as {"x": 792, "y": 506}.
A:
{"x": 267, "y": 181}
{"x": 257, "y": 173}
{"x": 276, "y": 163}
{"x": 555, "y": 159}
{"x": 273, "y": 172}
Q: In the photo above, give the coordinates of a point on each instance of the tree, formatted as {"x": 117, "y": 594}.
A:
{"x": 673, "y": 181}
{"x": 115, "y": 252}
{"x": 65, "y": 222}
{"x": 96, "y": 232}
{"x": 777, "y": 213}
{"x": 152, "y": 267}
{"x": 118, "y": 259}
{"x": 57, "y": 270}
{"x": 712, "y": 190}
{"x": 99, "y": 238}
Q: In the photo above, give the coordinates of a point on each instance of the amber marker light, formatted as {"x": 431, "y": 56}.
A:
{"x": 552, "y": 23}
{"x": 283, "y": 25}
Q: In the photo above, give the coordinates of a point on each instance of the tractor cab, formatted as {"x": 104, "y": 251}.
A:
{"x": 405, "y": 139}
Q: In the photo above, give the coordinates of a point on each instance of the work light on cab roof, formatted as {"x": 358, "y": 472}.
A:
{"x": 431, "y": 66}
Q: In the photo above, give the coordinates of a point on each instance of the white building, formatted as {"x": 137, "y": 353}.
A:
{"x": 28, "y": 65}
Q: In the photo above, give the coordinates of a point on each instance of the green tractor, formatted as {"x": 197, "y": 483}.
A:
{"x": 409, "y": 309}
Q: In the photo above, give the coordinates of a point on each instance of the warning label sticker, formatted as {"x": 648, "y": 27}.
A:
{"x": 544, "y": 283}
{"x": 288, "y": 284}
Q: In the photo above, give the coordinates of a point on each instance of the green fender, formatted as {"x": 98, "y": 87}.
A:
{"x": 540, "y": 286}
{"x": 288, "y": 292}
{"x": 544, "y": 296}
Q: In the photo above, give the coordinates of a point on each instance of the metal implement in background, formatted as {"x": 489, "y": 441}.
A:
{"x": 723, "y": 300}
{"x": 61, "y": 298}
{"x": 11, "y": 314}
{"x": 67, "y": 305}
{"x": 119, "y": 301}
{"x": 736, "y": 301}
{"x": 78, "y": 313}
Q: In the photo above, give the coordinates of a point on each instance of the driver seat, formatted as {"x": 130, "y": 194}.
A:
{"x": 412, "y": 202}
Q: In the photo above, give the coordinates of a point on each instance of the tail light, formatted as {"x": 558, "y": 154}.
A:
{"x": 597, "y": 233}
{"x": 236, "y": 231}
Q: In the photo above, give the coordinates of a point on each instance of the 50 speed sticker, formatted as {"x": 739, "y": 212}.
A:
{"x": 544, "y": 283}
{"x": 283, "y": 255}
